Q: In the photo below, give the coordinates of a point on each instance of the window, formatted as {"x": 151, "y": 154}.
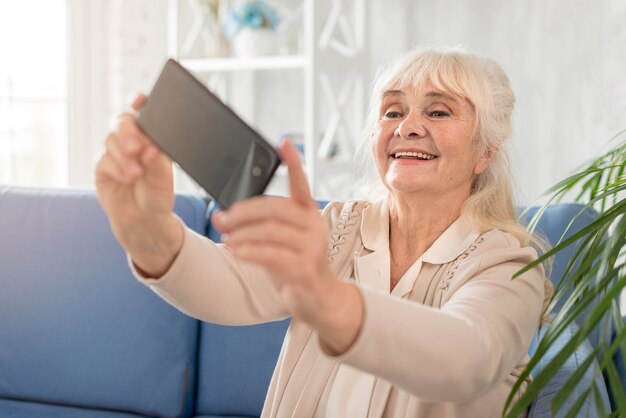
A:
{"x": 33, "y": 93}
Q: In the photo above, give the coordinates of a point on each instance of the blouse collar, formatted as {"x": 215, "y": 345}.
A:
{"x": 451, "y": 243}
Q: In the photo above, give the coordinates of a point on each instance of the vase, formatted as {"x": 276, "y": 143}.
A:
{"x": 255, "y": 42}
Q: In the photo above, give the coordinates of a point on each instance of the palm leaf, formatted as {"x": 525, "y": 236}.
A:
{"x": 564, "y": 393}
{"x": 574, "y": 411}
{"x": 588, "y": 289}
{"x": 558, "y": 326}
{"x": 597, "y": 397}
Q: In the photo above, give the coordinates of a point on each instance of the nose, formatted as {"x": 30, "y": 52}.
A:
{"x": 411, "y": 127}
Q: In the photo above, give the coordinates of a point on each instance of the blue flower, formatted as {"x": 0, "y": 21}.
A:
{"x": 255, "y": 14}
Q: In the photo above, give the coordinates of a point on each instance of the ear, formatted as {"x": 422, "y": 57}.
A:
{"x": 484, "y": 160}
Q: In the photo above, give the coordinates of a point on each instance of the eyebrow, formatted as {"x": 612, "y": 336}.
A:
{"x": 434, "y": 94}
{"x": 388, "y": 93}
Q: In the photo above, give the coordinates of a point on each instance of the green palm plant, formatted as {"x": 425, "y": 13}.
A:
{"x": 595, "y": 276}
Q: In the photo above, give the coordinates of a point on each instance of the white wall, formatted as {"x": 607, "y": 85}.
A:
{"x": 117, "y": 49}
{"x": 566, "y": 60}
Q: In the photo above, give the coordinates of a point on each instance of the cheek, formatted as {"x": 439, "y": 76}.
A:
{"x": 379, "y": 142}
{"x": 378, "y": 149}
{"x": 456, "y": 142}
{"x": 384, "y": 131}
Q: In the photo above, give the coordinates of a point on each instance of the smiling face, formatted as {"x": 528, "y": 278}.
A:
{"x": 423, "y": 143}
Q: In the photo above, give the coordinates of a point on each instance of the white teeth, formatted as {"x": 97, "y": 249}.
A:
{"x": 413, "y": 154}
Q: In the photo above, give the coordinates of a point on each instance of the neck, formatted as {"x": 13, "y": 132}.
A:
{"x": 416, "y": 221}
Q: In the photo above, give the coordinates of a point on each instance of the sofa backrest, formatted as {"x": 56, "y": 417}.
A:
{"x": 542, "y": 405}
{"x": 75, "y": 327}
{"x": 235, "y": 366}
{"x": 555, "y": 224}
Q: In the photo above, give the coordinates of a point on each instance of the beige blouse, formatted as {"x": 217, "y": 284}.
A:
{"x": 448, "y": 341}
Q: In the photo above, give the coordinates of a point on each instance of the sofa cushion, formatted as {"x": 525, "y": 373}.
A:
{"x": 235, "y": 367}
{"x": 552, "y": 225}
{"x": 541, "y": 406}
{"x": 17, "y": 409}
{"x": 76, "y": 328}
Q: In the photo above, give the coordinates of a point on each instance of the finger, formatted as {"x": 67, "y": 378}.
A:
{"x": 108, "y": 169}
{"x": 298, "y": 185}
{"x": 158, "y": 168}
{"x": 258, "y": 209}
{"x": 268, "y": 232}
{"x": 134, "y": 139}
{"x": 273, "y": 257}
{"x": 128, "y": 163}
{"x": 150, "y": 153}
{"x": 139, "y": 101}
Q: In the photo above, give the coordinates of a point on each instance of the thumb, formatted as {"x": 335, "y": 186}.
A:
{"x": 298, "y": 185}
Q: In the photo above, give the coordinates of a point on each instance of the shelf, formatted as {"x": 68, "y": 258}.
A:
{"x": 277, "y": 62}
{"x": 328, "y": 70}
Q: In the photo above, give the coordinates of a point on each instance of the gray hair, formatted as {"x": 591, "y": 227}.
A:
{"x": 484, "y": 84}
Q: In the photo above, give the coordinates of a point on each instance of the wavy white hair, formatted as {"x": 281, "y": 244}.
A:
{"x": 484, "y": 84}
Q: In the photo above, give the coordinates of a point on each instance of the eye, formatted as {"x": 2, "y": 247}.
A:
{"x": 392, "y": 109}
{"x": 393, "y": 114}
{"x": 438, "y": 114}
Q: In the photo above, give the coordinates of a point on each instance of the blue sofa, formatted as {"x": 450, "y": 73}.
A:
{"x": 81, "y": 338}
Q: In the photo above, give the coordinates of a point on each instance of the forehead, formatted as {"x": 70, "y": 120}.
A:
{"x": 426, "y": 92}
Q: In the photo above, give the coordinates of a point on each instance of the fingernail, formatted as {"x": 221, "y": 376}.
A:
{"x": 223, "y": 218}
{"x": 224, "y": 237}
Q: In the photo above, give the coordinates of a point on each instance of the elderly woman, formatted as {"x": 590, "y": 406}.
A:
{"x": 401, "y": 307}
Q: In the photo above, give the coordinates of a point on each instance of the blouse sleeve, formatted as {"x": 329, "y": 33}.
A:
{"x": 207, "y": 282}
{"x": 463, "y": 349}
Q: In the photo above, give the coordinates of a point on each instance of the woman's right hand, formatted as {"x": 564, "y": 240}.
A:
{"x": 135, "y": 188}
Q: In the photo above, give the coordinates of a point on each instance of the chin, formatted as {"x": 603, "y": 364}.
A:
{"x": 407, "y": 187}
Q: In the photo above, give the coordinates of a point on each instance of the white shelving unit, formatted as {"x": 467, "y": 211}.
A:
{"x": 332, "y": 60}
{"x": 278, "y": 62}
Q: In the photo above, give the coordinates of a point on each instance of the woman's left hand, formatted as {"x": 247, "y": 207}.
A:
{"x": 288, "y": 237}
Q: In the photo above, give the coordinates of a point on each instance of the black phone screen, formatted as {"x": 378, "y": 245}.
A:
{"x": 223, "y": 154}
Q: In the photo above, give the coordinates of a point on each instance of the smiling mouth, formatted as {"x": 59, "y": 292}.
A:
{"x": 408, "y": 155}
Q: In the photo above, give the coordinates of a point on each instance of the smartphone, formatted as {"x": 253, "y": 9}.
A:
{"x": 223, "y": 154}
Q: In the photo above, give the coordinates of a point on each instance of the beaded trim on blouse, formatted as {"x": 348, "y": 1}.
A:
{"x": 445, "y": 284}
{"x": 348, "y": 219}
